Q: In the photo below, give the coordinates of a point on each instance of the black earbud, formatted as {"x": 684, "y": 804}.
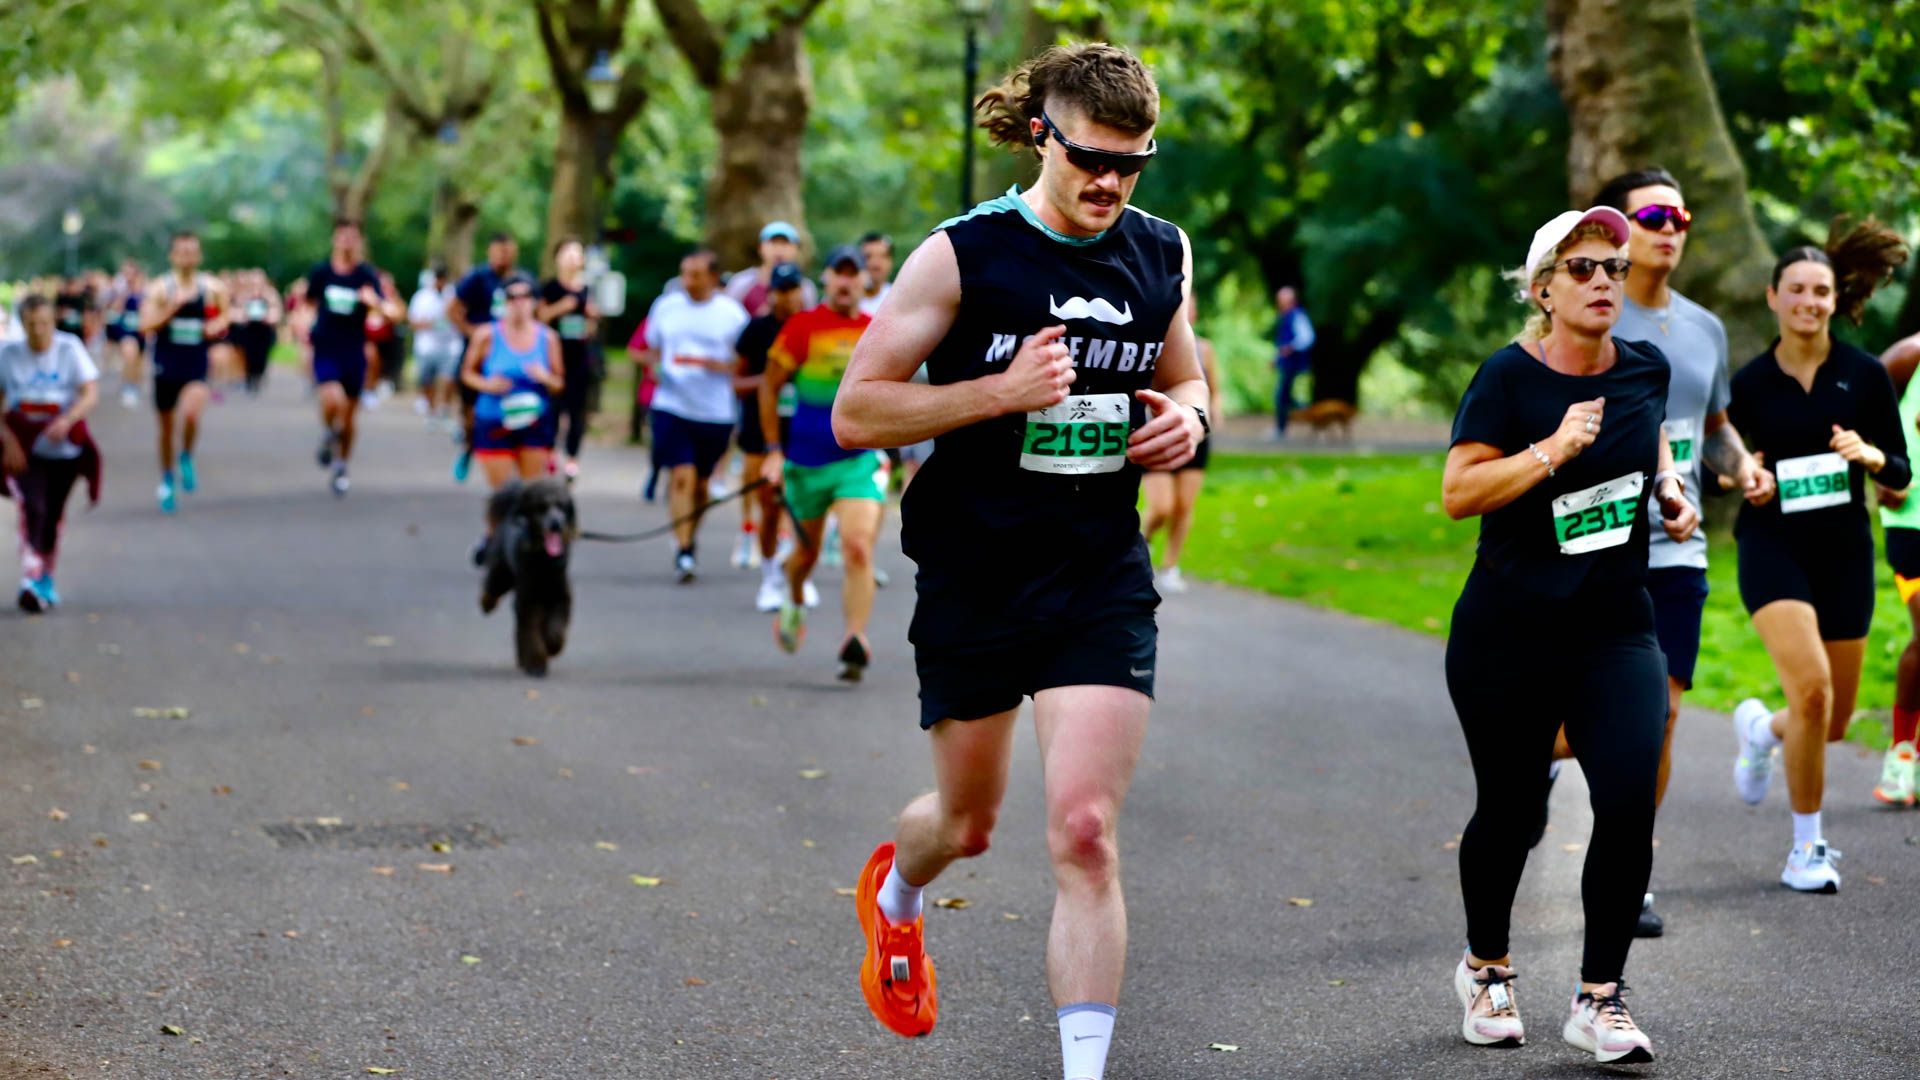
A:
{"x": 1544, "y": 294}
{"x": 1040, "y": 137}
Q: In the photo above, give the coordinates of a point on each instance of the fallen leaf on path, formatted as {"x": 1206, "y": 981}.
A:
{"x": 525, "y": 740}
{"x": 1876, "y": 879}
{"x": 564, "y": 773}
{"x": 441, "y": 846}
{"x": 469, "y": 960}
{"x": 813, "y": 774}
{"x": 31, "y": 703}
{"x": 58, "y": 814}
{"x": 695, "y": 980}
{"x": 241, "y": 648}
{"x": 807, "y": 844}
{"x": 383, "y": 871}
{"x": 846, "y": 892}
{"x": 642, "y": 770}
{"x": 955, "y": 903}
{"x": 139, "y": 817}
{"x": 644, "y": 881}
{"x": 63, "y": 943}
{"x": 73, "y": 677}
{"x": 89, "y": 748}
{"x": 1336, "y": 982}
{"x": 533, "y": 695}
{"x": 289, "y": 933}
{"x": 169, "y": 1029}
{"x": 223, "y": 789}
{"x": 435, "y": 867}
{"x": 148, "y": 764}
{"x": 1225, "y": 1048}
{"x": 25, "y": 860}
{"x": 378, "y": 1071}
{"x": 366, "y": 710}
{"x": 1299, "y": 901}
{"x": 1450, "y": 845}
{"x": 328, "y": 822}
{"x": 401, "y": 785}
{"x": 756, "y": 700}
{"x": 379, "y": 641}
{"x": 606, "y": 845}
{"x": 169, "y": 712}
{"x": 1010, "y": 916}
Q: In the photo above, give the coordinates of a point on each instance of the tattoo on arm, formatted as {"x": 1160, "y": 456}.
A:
{"x": 1723, "y": 451}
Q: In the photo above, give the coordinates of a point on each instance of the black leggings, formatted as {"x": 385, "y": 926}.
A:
{"x": 42, "y": 492}
{"x": 573, "y": 408}
{"x": 1518, "y": 667}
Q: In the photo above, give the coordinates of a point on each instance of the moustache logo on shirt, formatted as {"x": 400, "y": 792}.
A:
{"x": 1096, "y": 309}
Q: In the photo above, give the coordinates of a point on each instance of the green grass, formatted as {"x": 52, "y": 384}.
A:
{"x": 1365, "y": 534}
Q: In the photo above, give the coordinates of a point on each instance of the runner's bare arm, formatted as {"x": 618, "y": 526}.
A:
{"x": 556, "y": 379}
{"x": 877, "y": 406}
{"x": 1725, "y": 452}
{"x": 767, "y": 400}
{"x": 457, "y": 315}
{"x": 1901, "y": 360}
{"x": 1170, "y": 439}
{"x": 158, "y": 307}
{"x": 477, "y": 347}
{"x": 215, "y": 295}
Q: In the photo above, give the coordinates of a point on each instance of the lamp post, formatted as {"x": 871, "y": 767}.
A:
{"x": 71, "y": 223}
{"x": 972, "y": 14}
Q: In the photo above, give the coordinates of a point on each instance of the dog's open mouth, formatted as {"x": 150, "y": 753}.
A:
{"x": 556, "y": 543}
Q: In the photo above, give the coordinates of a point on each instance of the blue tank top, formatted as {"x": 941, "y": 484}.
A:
{"x": 180, "y": 346}
{"x": 528, "y": 399}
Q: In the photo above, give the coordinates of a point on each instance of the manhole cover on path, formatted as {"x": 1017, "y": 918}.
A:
{"x": 471, "y": 836}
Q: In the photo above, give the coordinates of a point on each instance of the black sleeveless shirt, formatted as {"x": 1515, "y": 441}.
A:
{"x": 1025, "y": 522}
{"x": 180, "y": 346}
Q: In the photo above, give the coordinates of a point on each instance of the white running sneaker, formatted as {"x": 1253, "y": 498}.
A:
{"x": 1810, "y": 868}
{"x": 743, "y": 550}
{"x": 685, "y": 567}
{"x": 1493, "y": 1015}
{"x": 772, "y": 594}
{"x": 809, "y": 594}
{"x": 1171, "y": 580}
{"x": 129, "y": 397}
{"x": 1600, "y": 1024}
{"x": 1896, "y": 786}
{"x": 1753, "y": 765}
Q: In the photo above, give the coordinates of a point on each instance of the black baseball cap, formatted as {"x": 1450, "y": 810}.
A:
{"x": 785, "y": 276}
{"x": 846, "y": 253}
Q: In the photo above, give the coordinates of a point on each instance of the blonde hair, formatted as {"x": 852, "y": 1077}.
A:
{"x": 1525, "y": 279}
{"x": 1108, "y": 84}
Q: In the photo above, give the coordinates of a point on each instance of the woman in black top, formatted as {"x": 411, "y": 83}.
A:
{"x": 1556, "y": 448}
{"x": 567, "y": 307}
{"x": 1823, "y": 415}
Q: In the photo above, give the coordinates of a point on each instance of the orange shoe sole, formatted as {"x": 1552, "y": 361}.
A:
{"x": 903, "y": 1015}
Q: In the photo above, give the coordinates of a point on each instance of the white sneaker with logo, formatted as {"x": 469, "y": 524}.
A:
{"x": 1600, "y": 1024}
{"x": 1896, "y": 786}
{"x": 1810, "y": 868}
{"x": 1493, "y": 1014}
{"x": 1753, "y": 764}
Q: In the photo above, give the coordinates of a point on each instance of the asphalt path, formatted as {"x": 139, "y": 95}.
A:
{"x": 639, "y": 859}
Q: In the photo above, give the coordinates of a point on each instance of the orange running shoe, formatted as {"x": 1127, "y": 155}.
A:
{"x": 896, "y": 977}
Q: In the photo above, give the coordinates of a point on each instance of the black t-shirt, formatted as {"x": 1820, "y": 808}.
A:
{"x": 70, "y": 311}
{"x": 570, "y": 326}
{"x": 1793, "y": 428}
{"x": 1026, "y": 524}
{"x": 481, "y": 293}
{"x": 1585, "y": 527}
{"x": 754, "y": 341}
{"x": 340, "y": 327}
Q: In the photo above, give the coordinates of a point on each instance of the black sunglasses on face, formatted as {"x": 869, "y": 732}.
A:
{"x": 1582, "y": 269}
{"x": 515, "y": 294}
{"x": 1655, "y": 218}
{"x": 1090, "y": 159}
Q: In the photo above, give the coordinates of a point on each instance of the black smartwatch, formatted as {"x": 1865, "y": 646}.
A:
{"x": 1206, "y": 428}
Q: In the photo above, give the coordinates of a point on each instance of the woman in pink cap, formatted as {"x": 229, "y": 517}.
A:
{"x": 1557, "y": 449}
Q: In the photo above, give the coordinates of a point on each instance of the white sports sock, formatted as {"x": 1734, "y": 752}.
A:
{"x": 770, "y": 569}
{"x": 1806, "y": 828}
{"x": 1760, "y": 732}
{"x": 899, "y": 901}
{"x": 1086, "y": 1032}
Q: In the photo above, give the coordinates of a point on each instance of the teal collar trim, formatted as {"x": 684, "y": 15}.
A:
{"x": 1013, "y": 196}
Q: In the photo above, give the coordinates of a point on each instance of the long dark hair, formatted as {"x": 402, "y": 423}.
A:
{"x": 1862, "y": 259}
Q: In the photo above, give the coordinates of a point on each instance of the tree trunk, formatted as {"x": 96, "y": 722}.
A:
{"x": 580, "y": 162}
{"x": 1638, "y": 94}
{"x": 456, "y": 216}
{"x": 760, "y": 116}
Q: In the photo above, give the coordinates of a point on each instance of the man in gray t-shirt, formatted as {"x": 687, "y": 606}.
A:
{"x": 1695, "y": 344}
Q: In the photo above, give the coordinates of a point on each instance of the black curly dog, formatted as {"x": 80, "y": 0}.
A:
{"x": 533, "y": 529}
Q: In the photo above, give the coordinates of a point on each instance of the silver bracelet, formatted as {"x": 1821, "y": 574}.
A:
{"x": 1668, "y": 474}
{"x": 1542, "y": 455}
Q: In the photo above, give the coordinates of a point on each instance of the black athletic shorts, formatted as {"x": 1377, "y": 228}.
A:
{"x": 1200, "y": 456}
{"x": 965, "y": 683}
{"x": 1903, "y": 552}
{"x": 1831, "y": 570}
{"x": 166, "y": 392}
{"x": 1679, "y": 596}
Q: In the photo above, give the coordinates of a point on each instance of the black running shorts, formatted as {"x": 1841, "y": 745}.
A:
{"x": 967, "y": 683}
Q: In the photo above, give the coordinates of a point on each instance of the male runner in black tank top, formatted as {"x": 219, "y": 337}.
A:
{"x": 1061, "y": 365}
{"x": 185, "y": 311}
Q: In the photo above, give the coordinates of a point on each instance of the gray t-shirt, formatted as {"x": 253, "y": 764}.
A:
{"x": 1696, "y": 346}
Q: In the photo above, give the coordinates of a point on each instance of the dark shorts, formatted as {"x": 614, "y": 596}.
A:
{"x": 1833, "y": 573}
{"x": 350, "y": 374}
{"x": 748, "y": 436}
{"x": 490, "y": 437}
{"x": 1200, "y": 456}
{"x": 1679, "y": 596}
{"x": 1903, "y": 554}
{"x": 678, "y": 441}
{"x": 166, "y": 392}
{"x": 972, "y": 684}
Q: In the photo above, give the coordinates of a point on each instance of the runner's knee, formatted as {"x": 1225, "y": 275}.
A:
{"x": 1809, "y": 703}
{"x": 856, "y": 552}
{"x": 1083, "y": 837}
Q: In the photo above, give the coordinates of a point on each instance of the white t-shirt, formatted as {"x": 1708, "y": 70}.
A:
{"x": 430, "y": 306}
{"x": 870, "y": 305}
{"x": 50, "y": 379}
{"x": 678, "y": 329}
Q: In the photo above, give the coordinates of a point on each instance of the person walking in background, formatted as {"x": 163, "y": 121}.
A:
{"x": 1171, "y": 495}
{"x": 876, "y": 251}
{"x": 567, "y": 307}
{"x": 779, "y": 243}
{"x": 437, "y": 350}
{"x": 1293, "y": 339}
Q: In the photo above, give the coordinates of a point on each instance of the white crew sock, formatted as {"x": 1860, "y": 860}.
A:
{"x": 1086, "y": 1032}
{"x": 770, "y": 569}
{"x": 1760, "y": 732}
{"x": 899, "y": 901}
{"x": 1806, "y": 828}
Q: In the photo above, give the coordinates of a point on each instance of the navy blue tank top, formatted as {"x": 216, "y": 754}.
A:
{"x": 1026, "y": 520}
{"x": 180, "y": 346}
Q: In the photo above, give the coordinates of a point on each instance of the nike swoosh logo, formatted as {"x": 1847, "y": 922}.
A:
{"x": 1138, "y": 674}
{"x": 1097, "y": 309}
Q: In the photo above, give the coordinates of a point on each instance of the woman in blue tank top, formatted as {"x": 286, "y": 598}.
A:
{"x": 514, "y": 365}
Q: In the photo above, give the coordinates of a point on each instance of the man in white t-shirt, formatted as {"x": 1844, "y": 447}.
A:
{"x": 48, "y": 384}
{"x": 436, "y": 348}
{"x": 689, "y": 348}
{"x": 876, "y": 251}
